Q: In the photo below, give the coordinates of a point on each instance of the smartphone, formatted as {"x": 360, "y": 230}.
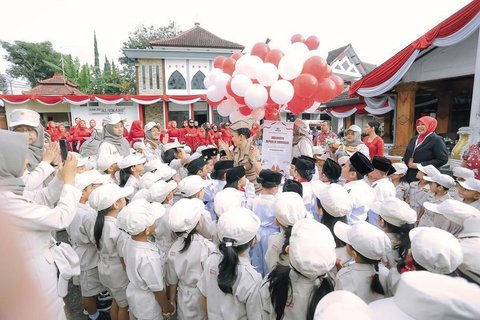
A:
{"x": 63, "y": 149}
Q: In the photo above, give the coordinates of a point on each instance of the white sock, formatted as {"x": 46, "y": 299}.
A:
{"x": 94, "y": 316}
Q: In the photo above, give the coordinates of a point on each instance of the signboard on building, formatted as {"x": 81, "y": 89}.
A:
{"x": 277, "y": 145}
{"x": 99, "y": 111}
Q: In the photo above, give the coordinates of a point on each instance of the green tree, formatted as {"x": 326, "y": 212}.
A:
{"x": 84, "y": 79}
{"x": 3, "y": 84}
{"x": 31, "y": 60}
{"x": 95, "y": 52}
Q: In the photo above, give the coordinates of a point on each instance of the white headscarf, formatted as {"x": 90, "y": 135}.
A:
{"x": 119, "y": 142}
{"x": 12, "y": 160}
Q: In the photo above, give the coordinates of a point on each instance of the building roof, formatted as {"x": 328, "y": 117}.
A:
{"x": 451, "y": 31}
{"x": 199, "y": 38}
{"x": 56, "y": 85}
{"x": 340, "y": 53}
{"x": 332, "y": 55}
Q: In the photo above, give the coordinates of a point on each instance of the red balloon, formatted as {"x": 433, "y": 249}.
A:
{"x": 260, "y": 50}
{"x": 298, "y": 104}
{"x": 245, "y": 110}
{"x": 214, "y": 104}
{"x": 338, "y": 83}
{"x": 229, "y": 65}
{"x": 271, "y": 113}
{"x": 236, "y": 55}
{"x": 274, "y": 56}
{"x": 218, "y": 62}
{"x": 240, "y": 100}
{"x": 305, "y": 85}
{"x": 228, "y": 87}
{"x": 312, "y": 42}
{"x": 325, "y": 91}
{"x": 297, "y": 38}
{"x": 316, "y": 66}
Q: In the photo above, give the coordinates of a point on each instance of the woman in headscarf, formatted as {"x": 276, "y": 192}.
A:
{"x": 91, "y": 146}
{"x": 302, "y": 140}
{"x": 53, "y": 131}
{"x": 82, "y": 133}
{"x": 425, "y": 148}
{"x": 65, "y": 135}
{"x": 113, "y": 144}
{"x": 353, "y": 143}
{"x": 136, "y": 133}
{"x": 36, "y": 222}
{"x": 92, "y": 125}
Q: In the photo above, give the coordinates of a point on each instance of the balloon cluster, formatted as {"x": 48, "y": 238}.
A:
{"x": 256, "y": 85}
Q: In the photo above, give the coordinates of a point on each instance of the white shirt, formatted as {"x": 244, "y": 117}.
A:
{"x": 34, "y": 179}
{"x": 362, "y": 197}
{"x": 107, "y": 149}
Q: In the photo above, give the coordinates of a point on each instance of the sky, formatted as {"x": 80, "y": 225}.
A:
{"x": 377, "y": 29}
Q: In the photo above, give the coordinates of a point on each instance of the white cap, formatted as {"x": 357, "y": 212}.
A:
{"x": 471, "y": 184}
{"x": 400, "y": 167}
{"x": 23, "y": 117}
{"x": 465, "y": 173}
{"x": 340, "y": 305}
{"x": 354, "y": 128}
{"x": 318, "y": 150}
{"x": 139, "y": 145}
{"x": 68, "y": 264}
{"x": 435, "y": 249}
{"x": 429, "y": 170}
{"x": 184, "y": 215}
{"x": 131, "y": 160}
{"x": 160, "y": 190}
{"x": 105, "y": 163}
{"x": 142, "y": 194}
{"x": 342, "y": 160}
{"x": 289, "y": 208}
{"x": 139, "y": 214}
{"x": 104, "y": 196}
{"x": 152, "y": 165}
{"x": 366, "y": 239}
{"x": 335, "y": 200}
{"x": 226, "y": 199}
{"x": 113, "y": 118}
{"x": 190, "y": 185}
{"x": 239, "y": 224}
{"x": 471, "y": 228}
{"x": 148, "y": 179}
{"x": 187, "y": 149}
{"x": 471, "y": 258}
{"x": 441, "y": 179}
{"x": 395, "y": 211}
{"x": 425, "y": 295}
{"x": 87, "y": 178}
{"x": 312, "y": 248}
{"x": 81, "y": 161}
{"x": 324, "y": 156}
{"x": 149, "y": 126}
{"x": 194, "y": 156}
{"x": 453, "y": 210}
{"x": 168, "y": 146}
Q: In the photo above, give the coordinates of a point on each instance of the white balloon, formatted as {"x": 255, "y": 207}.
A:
{"x": 239, "y": 84}
{"x": 256, "y": 96}
{"x": 226, "y": 107}
{"x": 258, "y": 114}
{"x": 282, "y": 92}
{"x": 207, "y": 82}
{"x": 235, "y": 116}
{"x": 241, "y": 64}
{"x": 215, "y": 94}
{"x": 313, "y": 107}
{"x": 253, "y": 65}
{"x": 298, "y": 49}
{"x": 290, "y": 67}
{"x": 221, "y": 82}
{"x": 213, "y": 74}
{"x": 267, "y": 74}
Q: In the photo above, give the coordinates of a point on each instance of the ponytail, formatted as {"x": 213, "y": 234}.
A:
{"x": 227, "y": 273}
{"x": 403, "y": 232}
{"x": 124, "y": 175}
{"x": 98, "y": 227}
{"x": 286, "y": 243}
{"x": 279, "y": 287}
{"x": 375, "y": 285}
{"x": 326, "y": 286}
{"x": 187, "y": 240}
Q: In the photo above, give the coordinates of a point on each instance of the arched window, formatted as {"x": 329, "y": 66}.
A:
{"x": 176, "y": 81}
{"x": 197, "y": 81}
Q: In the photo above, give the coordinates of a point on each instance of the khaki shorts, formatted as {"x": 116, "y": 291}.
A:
{"x": 120, "y": 296}
{"x": 90, "y": 284}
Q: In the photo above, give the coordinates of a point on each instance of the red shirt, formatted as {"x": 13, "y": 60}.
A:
{"x": 322, "y": 137}
{"x": 375, "y": 147}
{"x": 472, "y": 159}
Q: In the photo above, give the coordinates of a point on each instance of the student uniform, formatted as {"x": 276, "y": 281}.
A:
{"x": 210, "y": 193}
{"x": 185, "y": 270}
{"x": 244, "y": 303}
{"x": 402, "y": 190}
{"x": 274, "y": 248}
{"x": 427, "y": 218}
{"x": 309, "y": 199}
{"x": 393, "y": 255}
{"x": 164, "y": 237}
{"x": 145, "y": 273}
{"x": 133, "y": 182}
{"x": 181, "y": 170}
{"x": 81, "y": 236}
{"x": 362, "y": 197}
{"x": 107, "y": 149}
{"x": 298, "y": 298}
{"x": 34, "y": 179}
{"x": 263, "y": 208}
{"x": 110, "y": 269}
{"x": 382, "y": 189}
{"x": 417, "y": 196}
{"x": 475, "y": 204}
{"x": 36, "y": 224}
{"x": 357, "y": 278}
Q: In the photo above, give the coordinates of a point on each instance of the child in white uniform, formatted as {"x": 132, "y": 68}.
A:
{"x": 186, "y": 259}
{"x": 113, "y": 143}
{"x": 367, "y": 245}
{"x": 81, "y": 236}
{"x": 146, "y": 294}
{"x": 399, "y": 180}
{"x": 293, "y": 292}
{"x": 131, "y": 168}
{"x": 382, "y": 186}
{"x": 108, "y": 200}
{"x": 289, "y": 208}
{"x": 229, "y": 284}
{"x": 469, "y": 191}
{"x": 439, "y": 185}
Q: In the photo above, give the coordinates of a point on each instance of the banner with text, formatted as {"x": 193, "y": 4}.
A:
{"x": 99, "y": 112}
{"x": 277, "y": 145}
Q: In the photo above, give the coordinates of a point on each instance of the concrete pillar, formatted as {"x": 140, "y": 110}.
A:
{"x": 404, "y": 117}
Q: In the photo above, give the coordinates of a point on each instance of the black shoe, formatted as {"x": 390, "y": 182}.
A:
{"x": 104, "y": 316}
{"x": 104, "y": 301}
